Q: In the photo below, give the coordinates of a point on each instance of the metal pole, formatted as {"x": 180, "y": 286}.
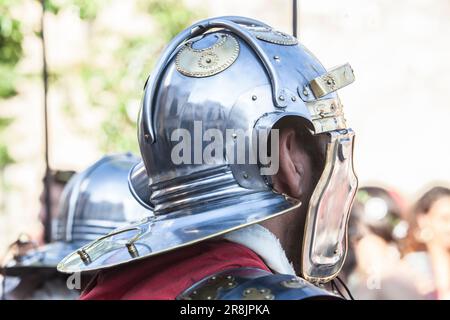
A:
{"x": 47, "y": 178}
{"x": 294, "y": 18}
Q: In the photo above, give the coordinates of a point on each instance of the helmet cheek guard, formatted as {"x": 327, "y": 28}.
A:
{"x": 325, "y": 236}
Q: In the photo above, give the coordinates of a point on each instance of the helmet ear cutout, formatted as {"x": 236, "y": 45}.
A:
{"x": 314, "y": 145}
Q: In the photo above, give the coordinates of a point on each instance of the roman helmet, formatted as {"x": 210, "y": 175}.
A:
{"x": 94, "y": 202}
{"x": 232, "y": 75}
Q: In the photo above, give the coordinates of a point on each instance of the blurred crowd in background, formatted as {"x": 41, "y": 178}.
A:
{"x": 99, "y": 54}
{"x": 399, "y": 250}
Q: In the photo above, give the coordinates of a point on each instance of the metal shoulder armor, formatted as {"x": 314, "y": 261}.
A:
{"x": 253, "y": 284}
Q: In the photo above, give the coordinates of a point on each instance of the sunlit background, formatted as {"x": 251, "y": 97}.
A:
{"x": 99, "y": 54}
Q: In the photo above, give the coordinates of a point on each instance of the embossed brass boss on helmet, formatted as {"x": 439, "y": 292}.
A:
{"x": 233, "y": 73}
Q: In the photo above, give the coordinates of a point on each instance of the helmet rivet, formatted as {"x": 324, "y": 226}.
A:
{"x": 245, "y": 176}
{"x": 84, "y": 256}
{"x": 254, "y": 97}
{"x": 132, "y": 250}
{"x": 293, "y": 98}
{"x": 281, "y": 98}
{"x": 208, "y": 60}
{"x": 276, "y": 58}
{"x": 305, "y": 92}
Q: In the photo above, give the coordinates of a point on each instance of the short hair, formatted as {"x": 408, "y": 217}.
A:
{"x": 426, "y": 201}
{"x": 421, "y": 207}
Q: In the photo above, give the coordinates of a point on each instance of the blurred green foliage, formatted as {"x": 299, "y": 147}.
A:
{"x": 11, "y": 52}
{"x": 10, "y": 49}
{"x": 5, "y": 158}
{"x": 87, "y": 9}
{"x": 116, "y": 88}
{"x": 134, "y": 59}
{"x": 171, "y": 16}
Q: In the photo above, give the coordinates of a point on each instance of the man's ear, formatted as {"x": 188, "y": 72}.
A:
{"x": 288, "y": 178}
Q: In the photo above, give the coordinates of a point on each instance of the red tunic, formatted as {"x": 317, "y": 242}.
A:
{"x": 166, "y": 276}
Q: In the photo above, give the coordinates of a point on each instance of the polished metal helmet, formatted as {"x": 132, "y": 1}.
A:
{"x": 232, "y": 74}
{"x": 93, "y": 203}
